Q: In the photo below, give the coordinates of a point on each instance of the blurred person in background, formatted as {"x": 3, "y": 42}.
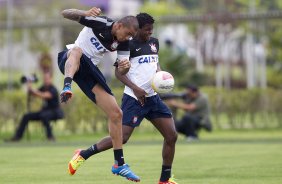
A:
{"x": 50, "y": 109}
{"x": 79, "y": 63}
{"x": 139, "y": 99}
{"x": 197, "y": 113}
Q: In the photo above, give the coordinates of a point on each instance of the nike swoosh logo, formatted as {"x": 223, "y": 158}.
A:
{"x": 138, "y": 49}
{"x": 100, "y": 34}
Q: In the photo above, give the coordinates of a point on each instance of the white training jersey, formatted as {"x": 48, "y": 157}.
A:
{"x": 96, "y": 38}
{"x": 144, "y": 64}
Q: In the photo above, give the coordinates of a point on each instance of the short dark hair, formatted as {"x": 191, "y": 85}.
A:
{"x": 192, "y": 87}
{"x": 129, "y": 21}
{"x": 144, "y": 18}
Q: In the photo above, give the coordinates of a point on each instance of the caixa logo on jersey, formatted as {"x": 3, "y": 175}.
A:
{"x": 97, "y": 44}
{"x": 148, "y": 59}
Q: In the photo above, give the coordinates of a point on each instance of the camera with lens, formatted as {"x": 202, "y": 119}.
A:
{"x": 169, "y": 96}
{"x": 32, "y": 78}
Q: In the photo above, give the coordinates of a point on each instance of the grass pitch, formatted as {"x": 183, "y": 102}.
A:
{"x": 223, "y": 157}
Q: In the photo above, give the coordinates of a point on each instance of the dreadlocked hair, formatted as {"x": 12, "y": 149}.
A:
{"x": 144, "y": 18}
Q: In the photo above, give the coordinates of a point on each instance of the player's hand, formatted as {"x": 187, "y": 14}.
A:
{"x": 140, "y": 94}
{"x": 123, "y": 66}
{"x": 125, "y": 63}
{"x": 93, "y": 12}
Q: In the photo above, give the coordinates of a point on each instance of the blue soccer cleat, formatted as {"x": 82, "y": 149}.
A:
{"x": 125, "y": 171}
{"x": 66, "y": 94}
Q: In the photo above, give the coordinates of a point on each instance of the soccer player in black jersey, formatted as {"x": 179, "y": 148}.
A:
{"x": 140, "y": 100}
{"x": 78, "y": 62}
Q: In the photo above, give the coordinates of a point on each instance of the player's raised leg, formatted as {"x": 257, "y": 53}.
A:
{"x": 167, "y": 128}
{"x": 71, "y": 67}
{"x": 108, "y": 104}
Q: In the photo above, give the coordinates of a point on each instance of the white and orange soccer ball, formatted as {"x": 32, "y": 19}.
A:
{"x": 162, "y": 82}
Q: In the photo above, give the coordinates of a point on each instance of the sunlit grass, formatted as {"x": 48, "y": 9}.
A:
{"x": 244, "y": 157}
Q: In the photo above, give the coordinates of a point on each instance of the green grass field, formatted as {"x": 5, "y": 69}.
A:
{"x": 222, "y": 157}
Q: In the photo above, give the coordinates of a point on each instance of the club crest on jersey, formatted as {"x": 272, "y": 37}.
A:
{"x": 114, "y": 45}
{"x": 153, "y": 47}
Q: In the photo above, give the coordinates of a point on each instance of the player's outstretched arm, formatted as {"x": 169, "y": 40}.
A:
{"x": 75, "y": 14}
{"x": 139, "y": 93}
{"x": 125, "y": 80}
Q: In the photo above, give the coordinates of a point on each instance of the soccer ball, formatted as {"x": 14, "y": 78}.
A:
{"x": 162, "y": 82}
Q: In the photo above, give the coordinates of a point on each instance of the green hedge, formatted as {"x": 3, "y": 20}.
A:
{"x": 245, "y": 108}
{"x": 229, "y": 109}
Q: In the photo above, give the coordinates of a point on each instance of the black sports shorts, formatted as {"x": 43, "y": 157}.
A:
{"x": 87, "y": 76}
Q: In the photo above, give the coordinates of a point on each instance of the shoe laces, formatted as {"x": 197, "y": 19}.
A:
{"x": 125, "y": 170}
{"x": 172, "y": 180}
{"x": 78, "y": 161}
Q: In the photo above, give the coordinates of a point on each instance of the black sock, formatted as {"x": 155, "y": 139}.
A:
{"x": 119, "y": 157}
{"x": 166, "y": 173}
{"x": 92, "y": 150}
{"x": 67, "y": 82}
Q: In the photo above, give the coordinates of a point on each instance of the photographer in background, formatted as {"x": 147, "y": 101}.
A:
{"x": 196, "y": 107}
{"x": 50, "y": 109}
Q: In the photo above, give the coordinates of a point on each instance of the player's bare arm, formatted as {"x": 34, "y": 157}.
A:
{"x": 138, "y": 92}
{"x": 124, "y": 79}
{"x": 75, "y": 14}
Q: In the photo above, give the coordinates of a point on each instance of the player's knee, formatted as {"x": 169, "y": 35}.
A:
{"x": 125, "y": 138}
{"x": 76, "y": 50}
{"x": 171, "y": 138}
{"x": 116, "y": 115}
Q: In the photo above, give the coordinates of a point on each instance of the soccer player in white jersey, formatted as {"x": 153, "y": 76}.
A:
{"x": 140, "y": 100}
{"x": 78, "y": 62}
